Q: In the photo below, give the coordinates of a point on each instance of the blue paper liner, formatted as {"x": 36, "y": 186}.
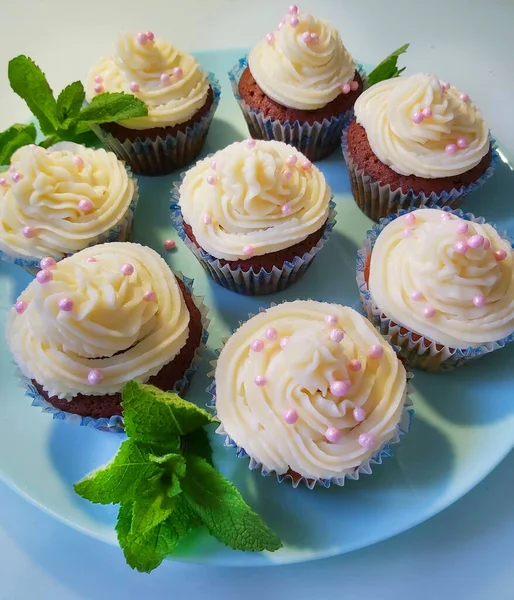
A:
{"x": 159, "y": 156}
{"x": 316, "y": 141}
{"x": 249, "y": 282}
{"x": 424, "y": 353}
{"x": 386, "y": 451}
{"x": 377, "y": 201}
{"x": 114, "y": 424}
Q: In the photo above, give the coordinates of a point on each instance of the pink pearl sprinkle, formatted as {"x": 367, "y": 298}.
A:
{"x": 306, "y": 165}
{"x": 16, "y": 177}
{"x": 416, "y": 295}
{"x": 91, "y": 259}
{"x": 270, "y": 38}
{"x": 291, "y": 416}
{"x": 367, "y": 440}
{"x": 354, "y": 85}
{"x": 426, "y": 112}
{"x": 462, "y": 143}
{"x": 444, "y": 86}
{"x": 260, "y": 381}
{"x": 165, "y": 78}
{"x": 291, "y": 160}
{"x": 487, "y": 244}
{"x": 336, "y": 335}
{"x": 475, "y": 241}
{"x": 410, "y": 219}
{"x": 417, "y": 117}
{"x": 86, "y": 205}
{"x": 429, "y": 312}
{"x": 99, "y": 88}
{"x": 95, "y": 376}
{"x": 346, "y": 88}
{"x": 98, "y": 79}
{"x": 375, "y": 351}
{"x": 150, "y": 35}
{"x": 445, "y": 216}
{"x": 314, "y": 38}
{"x": 65, "y": 304}
{"x": 149, "y": 296}
{"x": 407, "y": 233}
{"x": 331, "y": 320}
{"x": 359, "y": 414}
{"x": 214, "y": 164}
{"x": 293, "y": 21}
{"x": 79, "y": 161}
{"x": 28, "y": 231}
{"x": 287, "y": 173}
{"x": 500, "y": 255}
{"x": 212, "y": 179}
{"x": 355, "y": 365}
{"x": 169, "y": 244}
{"x": 44, "y": 276}
{"x": 451, "y": 149}
{"x": 250, "y": 143}
{"x": 271, "y": 334}
{"x": 20, "y": 307}
{"x": 479, "y": 300}
{"x": 306, "y": 37}
{"x": 462, "y": 227}
{"x": 127, "y": 269}
{"x": 333, "y": 435}
{"x": 281, "y": 24}
{"x": 178, "y": 72}
{"x": 47, "y": 263}
{"x": 340, "y": 388}
{"x": 248, "y": 251}
{"x": 257, "y": 345}
{"x": 207, "y": 219}
{"x": 293, "y": 9}
{"x": 142, "y": 38}
{"x": 286, "y": 209}
{"x": 460, "y": 247}
{"x": 134, "y": 87}
{"x": 464, "y": 97}
{"x": 3, "y": 182}
{"x": 283, "y": 342}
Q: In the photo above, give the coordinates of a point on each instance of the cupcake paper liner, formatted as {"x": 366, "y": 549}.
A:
{"x": 419, "y": 351}
{"x": 316, "y": 141}
{"x": 365, "y": 468}
{"x": 160, "y": 156}
{"x": 114, "y": 424}
{"x": 377, "y": 201}
{"x": 119, "y": 233}
{"x": 249, "y": 282}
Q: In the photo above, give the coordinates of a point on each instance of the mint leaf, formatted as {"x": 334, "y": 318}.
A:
{"x": 158, "y": 417}
{"x": 151, "y": 510}
{"x": 111, "y": 108}
{"x": 387, "y": 69}
{"x": 14, "y": 138}
{"x": 176, "y": 463}
{"x": 222, "y": 509}
{"x": 69, "y": 103}
{"x": 197, "y": 442}
{"x": 118, "y": 481}
{"x": 29, "y": 82}
{"x": 183, "y": 519}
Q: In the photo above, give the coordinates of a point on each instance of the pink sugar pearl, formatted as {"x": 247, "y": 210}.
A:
{"x": 500, "y": 255}
{"x": 248, "y": 251}
{"x": 79, "y": 162}
{"x": 44, "y": 276}
{"x": 354, "y": 86}
{"x": 95, "y": 376}
{"x": 286, "y": 209}
{"x": 460, "y": 247}
{"x": 293, "y": 9}
{"x": 445, "y": 216}
{"x": 28, "y": 231}
{"x": 207, "y": 219}
{"x": 212, "y": 179}
{"x": 306, "y": 37}
{"x": 346, "y": 88}
{"x": 20, "y": 307}
{"x": 359, "y": 414}
{"x": 177, "y": 72}
{"x": 251, "y": 143}
{"x": 462, "y": 227}
{"x": 417, "y": 117}
{"x": 86, "y": 205}
{"x": 91, "y": 259}
{"x": 3, "y": 182}
{"x": 260, "y": 381}
{"x": 333, "y": 435}
{"x": 165, "y": 78}
{"x": 47, "y": 263}
{"x": 410, "y": 219}
{"x": 291, "y": 160}
{"x": 451, "y": 149}
{"x": 169, "y": 244}
{"x": 340, "y": 388}
{"x": 214, "y": 164}
{"x": 429, "y": 312}
{"x": 270, "y": 38}
{"x": 407, "y": 233}
{"x": 127, "y": 269}
{"x": 150, "y": 35}
{"x": 475, "y": 241}
{"x": 291, "y": 416}
{"x": 375, "y": 351}
{"x": 293, "y": 21}
{"x": 479, "y": 300}
{"x": 355, "y": 365}
{"x": 134, "y": 87}
{"x": 16, "y": 177}
{"x": 99, "y": 88}
{"x": 416, "y": 295}
{"x": 306, "y": 165}
{"x": 464, "y": 97}
{"x": 257, "y": 345}
{"x": 462, "y": 143}
{"x": 98, "y": 79}
{"x": 331, "y": 319}
{"x": 367, "y": 440}
{"x": 149, "y": 296}
{"x": 283, "y": 342}
{"x": 487, "y": 244}
{"x": 271, "y": 334}
{"x": 142, "y": 39}
{"x": 65, "y": 304}
{"x": 287, "y": 173}
{"x": 336, "y": 335}
{"x": 426, "y": 112}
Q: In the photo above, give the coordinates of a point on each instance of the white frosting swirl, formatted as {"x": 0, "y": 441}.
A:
{"x": 427, "y": 262}
{"x": 111, "y": 327}
{"x": 48, "y": 197}
{"x": 386, "y": 112}
{"x": 299, "y": 378}
{"x": 300, "y": 74}
{"x": 245, "y": 205}
{"x": 170, "y": 102}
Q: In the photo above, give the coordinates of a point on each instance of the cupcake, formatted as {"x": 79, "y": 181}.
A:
{"x": 181, "y": 101}
{"x": 441, "y": 284}
{"x": 100, "y": 318}
{"x": 297, "y": 85}
{"x": 254, "y": 214}
{"x": 415, "y": 141}
{"x": 58, "y": 201}
{"x": 310, "y": 391}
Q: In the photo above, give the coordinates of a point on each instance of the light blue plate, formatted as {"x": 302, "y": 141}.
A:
{"x": 464, "y": 425}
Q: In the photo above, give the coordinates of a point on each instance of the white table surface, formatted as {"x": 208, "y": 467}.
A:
{"x": 466, "y": 552}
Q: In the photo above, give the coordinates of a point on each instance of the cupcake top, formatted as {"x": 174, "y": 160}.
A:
{"x": 309, "y": 386}
{"x": 253, "y": 198}
{"x": 57, "y": 201}
{"x": 167, "y": 80}
{"x": 98, "y": 319}
{"x": 444, "y": 278}
{"x": 421, "y": 126}
{"x": 304, "y": 64}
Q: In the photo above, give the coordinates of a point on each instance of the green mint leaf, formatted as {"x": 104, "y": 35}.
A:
{"x": 175, "y": 463}
{"x": 69, "y": 103}
{"x": 154, "y": 416}
{"x": 151, "y": 510}
{"x": 222, "y": 509}
{"x": 118, "y": 481}
{"x": 183, "y": 519}
{"x": 14, "y": 138}
{"x": 144, "y": 551}
{"x": 387, "y": 69}
{"x": 197, "y": 442}
{"x": 29, "y": 82}
{"x": 111, "y": 108}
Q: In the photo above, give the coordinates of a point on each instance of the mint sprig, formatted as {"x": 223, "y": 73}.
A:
{"x": 166, "y": 485}
{"x": 14, "y": 138}
{"x": 388, "y": 68}
{"x": 65, "y": 118}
